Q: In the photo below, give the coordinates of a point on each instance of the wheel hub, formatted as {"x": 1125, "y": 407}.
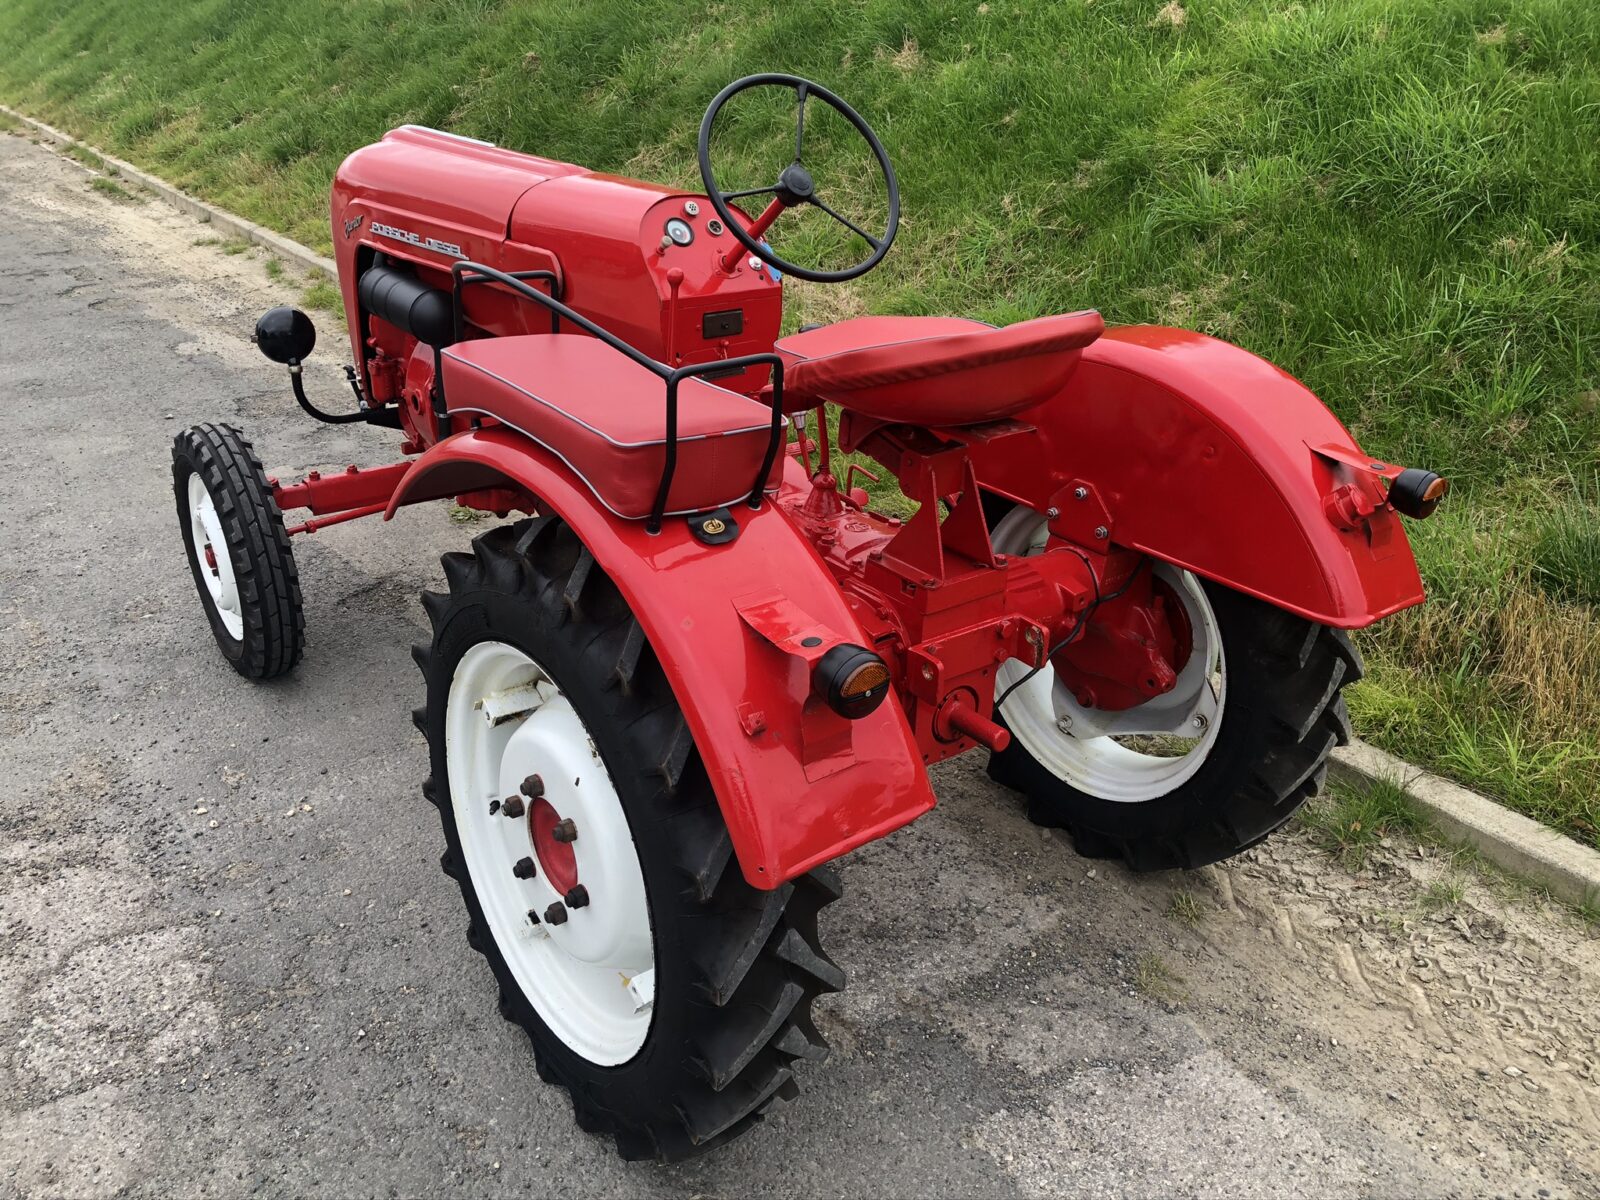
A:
{"x": 557, "y": 858}
{"x": 1155, "y": 744}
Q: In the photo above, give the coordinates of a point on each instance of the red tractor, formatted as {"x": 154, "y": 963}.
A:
{"x": 701, "y": 667}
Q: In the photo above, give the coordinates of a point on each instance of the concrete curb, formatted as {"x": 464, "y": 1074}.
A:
{"x": 218, "y": 218}
{"x": 1568, "y": 870}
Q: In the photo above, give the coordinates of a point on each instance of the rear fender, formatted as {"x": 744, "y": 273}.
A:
{"x": 743, "y": 698}
{"x": 1203, "y": 455}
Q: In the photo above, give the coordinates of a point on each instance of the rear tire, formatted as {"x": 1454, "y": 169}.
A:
{"x": 1283, "y": 715}
{"x": 238, "y": 551}
{"x": 736, "y": 969}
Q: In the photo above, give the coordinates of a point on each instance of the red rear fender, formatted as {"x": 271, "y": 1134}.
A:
{"x": 742, "y": 697}
{"x": 1201, "y": 454}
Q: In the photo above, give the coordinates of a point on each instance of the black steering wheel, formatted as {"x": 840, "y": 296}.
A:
{"x": 795, "y": 185}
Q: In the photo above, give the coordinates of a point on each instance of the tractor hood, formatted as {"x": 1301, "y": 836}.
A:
{"x": 423, "y": 177}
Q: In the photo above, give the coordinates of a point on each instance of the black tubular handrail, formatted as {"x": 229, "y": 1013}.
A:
{"x": 464, "y": 272}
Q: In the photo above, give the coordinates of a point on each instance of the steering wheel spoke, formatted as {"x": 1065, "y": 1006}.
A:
{"x": 766, "y": 191}
{"x": 847, "y": 223}
{"x": 800, "y": 118}
{"x": 795, "y": 186}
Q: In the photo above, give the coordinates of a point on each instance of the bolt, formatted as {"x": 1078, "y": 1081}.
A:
{"x": 927, "y": 672}
{"x": 512, "y": 806}
{"x": 533, "y": 787}
{"x": 524, "y": 868}
{"x": 494, "y": 807}
{"x": 1101, "y": 532}
{"x": 564, "y": 831}
{"x": 1200, "y": 721}
{"x": 1064, "y": 724}
{"x": 556, "y": 914}
{"x": 578, "y": 897}
{"x": 533, "y": 917}
{"x": 1052, "y": 512}
{"x": 1080, "y": 493}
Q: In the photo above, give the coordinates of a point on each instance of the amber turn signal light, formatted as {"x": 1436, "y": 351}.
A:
{"x": 1416, "y": 492}
{"x": 852, "y": 679}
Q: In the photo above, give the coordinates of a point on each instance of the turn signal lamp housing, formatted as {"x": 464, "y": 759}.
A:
{"x": 851, "y": 679}
{"x": 1416, "y": 492}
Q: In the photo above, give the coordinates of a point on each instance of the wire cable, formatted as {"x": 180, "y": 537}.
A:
{"x": 1077, "y": 625}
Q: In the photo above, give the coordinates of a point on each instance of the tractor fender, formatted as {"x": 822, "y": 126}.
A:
{"x": 1203, "y": 455}
{"x": 742, "y": 697}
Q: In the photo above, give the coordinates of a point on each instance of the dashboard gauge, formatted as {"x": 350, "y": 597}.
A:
{"x": 680, "y": 231}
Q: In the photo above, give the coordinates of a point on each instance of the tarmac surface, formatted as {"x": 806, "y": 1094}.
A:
{"x": 229, "y": 962}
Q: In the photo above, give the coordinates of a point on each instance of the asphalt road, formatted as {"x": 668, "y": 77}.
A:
{"x": 230, "y": 963}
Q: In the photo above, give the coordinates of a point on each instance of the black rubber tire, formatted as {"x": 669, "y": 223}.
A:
{"x": 737, "y": 969}
{"x": 274, "y": 635}
{"x": 1282, "y": 718}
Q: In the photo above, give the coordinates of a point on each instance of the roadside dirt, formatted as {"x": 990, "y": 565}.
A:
{"x": 1019, "y": 1020}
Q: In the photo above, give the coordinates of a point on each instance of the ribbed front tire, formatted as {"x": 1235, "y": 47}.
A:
{"x": 736, "y": 968}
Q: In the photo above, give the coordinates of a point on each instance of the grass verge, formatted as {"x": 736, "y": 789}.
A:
{"x": 1397, "y": 200}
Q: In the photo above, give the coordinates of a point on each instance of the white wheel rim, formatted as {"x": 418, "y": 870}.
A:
{"x": 591, "y": 980}
{"x": 1081, "y": 746}
{"x": 213, "y": 562}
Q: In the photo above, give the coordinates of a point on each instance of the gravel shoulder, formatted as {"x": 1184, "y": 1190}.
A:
{"x": 229, "y": 962}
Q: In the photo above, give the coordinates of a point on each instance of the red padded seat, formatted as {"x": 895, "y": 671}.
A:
{"x": 605, "y": 416}
{"x": 934, "y": 370}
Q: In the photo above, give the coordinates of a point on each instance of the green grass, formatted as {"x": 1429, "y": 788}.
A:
{"x": 104, "y": 183}
{"x": 1351, "y": 820}
{"x": 1397, "y": 200}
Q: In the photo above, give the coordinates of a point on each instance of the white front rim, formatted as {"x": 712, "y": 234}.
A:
{"x": 1135, "y": 754}
{"x": 591, "y": 979}
{"x": 212, "y": 560}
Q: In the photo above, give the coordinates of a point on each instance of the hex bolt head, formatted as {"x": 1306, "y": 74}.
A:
{"x": 578, "y": 897}
{"x": 512, "y": 806}
{"x": 1200, "y": 721}
{"x": 1064, "y": 723}
{"x": 1052, "y": 512}
{"x": 1101, "y": 532}
{"x": 533, "y": 787}
{"x": 524, "y": 868}
{"x": 556, "y": 914}
{"x": 564, "y": 831}
{"x": 1080, "y": 493}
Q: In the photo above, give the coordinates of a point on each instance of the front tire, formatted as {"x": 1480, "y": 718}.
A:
{"x": 537, "y": 667}
{"x": 238, "y": 551}
{"x": 1275, "y": 714}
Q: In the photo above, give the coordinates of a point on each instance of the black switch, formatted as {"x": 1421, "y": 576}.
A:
{"x": 722, "y": 324}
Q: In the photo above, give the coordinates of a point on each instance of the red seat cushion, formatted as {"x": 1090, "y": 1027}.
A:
{"x": 934, "y": 370}
{"x": 606, "y": 417}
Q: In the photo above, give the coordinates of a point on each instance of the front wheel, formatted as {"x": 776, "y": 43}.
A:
{"x": 667, "y": 995}
{"x": 238, "y": 551}
{"x": 1201, "y": 772}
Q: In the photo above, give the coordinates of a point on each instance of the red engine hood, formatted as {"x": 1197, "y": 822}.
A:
{"x": 448, "y": 179}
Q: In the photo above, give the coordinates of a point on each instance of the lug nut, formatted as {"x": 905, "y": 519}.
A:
{"x": 512, "y": 806}
{"x": 564, "y": 830}
{"x": 578, "y": 897}
{"x": 524, "y": 868}
{"x": 533, "y": 787}
{"x": 556, "y": 914}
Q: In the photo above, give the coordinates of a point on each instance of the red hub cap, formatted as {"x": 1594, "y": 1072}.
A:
{"x": 557, "y": 858}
